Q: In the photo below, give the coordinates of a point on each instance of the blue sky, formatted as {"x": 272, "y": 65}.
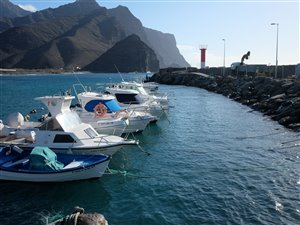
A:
{"x": 245, "y": 26}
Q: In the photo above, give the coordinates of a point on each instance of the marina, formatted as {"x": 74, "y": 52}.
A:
{"x": 139, "y": 113}
{"x": 210, "y": 160}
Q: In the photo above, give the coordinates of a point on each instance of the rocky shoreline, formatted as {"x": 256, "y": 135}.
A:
{"x": 278, "y": 99}
{"x": 19, "y": 71}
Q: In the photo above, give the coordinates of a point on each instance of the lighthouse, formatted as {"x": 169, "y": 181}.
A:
{"x": 202, "y": 56}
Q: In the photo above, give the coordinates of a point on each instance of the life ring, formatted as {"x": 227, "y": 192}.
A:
{"x": 100, "y": 110}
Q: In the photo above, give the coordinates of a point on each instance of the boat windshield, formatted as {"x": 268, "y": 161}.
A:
{"x": 90, "y": 132}
{"x": 111, "y": 105}
{"x": 51, "y": 124}
{"x": 142, "y": 90}
{"x": 68, "y": 120}
{"x": 128, "y": 98}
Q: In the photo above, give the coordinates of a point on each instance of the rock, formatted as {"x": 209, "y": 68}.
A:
{"x": 288, "y": 120}
{"x": 78, "y": 217}
{"x": 293, "y": 88}
{"x": 278, "y": 96}
{"x": 91, "y": 219}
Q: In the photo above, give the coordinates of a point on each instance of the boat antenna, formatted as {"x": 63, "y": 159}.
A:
{"x": 77, "y": 78}
{"x": 119, "y": 73}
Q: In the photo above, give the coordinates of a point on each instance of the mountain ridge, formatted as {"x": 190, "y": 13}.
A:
{"x": 130, "y": 54}
{"x": 76, "y": 34}
{"x": 10, "y": 10}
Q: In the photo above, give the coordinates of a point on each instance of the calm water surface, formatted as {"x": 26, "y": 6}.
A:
{"x": 212, "y": 161}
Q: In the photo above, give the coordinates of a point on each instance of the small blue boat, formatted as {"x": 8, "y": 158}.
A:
{"x": 43, "y": 165}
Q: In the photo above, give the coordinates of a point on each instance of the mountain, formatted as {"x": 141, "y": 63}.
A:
{"x": 10, "y": 10}
{"x": 129, "y": 54}
{"x": 63, "y": 43}
{"x": 77, "y": 8}
{"x": 129, "y": 23}
{"x": 163, "y": 44}
{"x": 165, "y": 47}
{"x": 76, "y": 34}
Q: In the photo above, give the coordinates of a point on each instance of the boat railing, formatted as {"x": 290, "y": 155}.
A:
{"x": 75, "y": 86}
{"x": 137, "y": 107}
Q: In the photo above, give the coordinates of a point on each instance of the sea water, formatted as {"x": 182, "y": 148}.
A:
{"x": 212, "y": 161}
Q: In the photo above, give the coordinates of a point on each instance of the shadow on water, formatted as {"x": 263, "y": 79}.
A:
{"x": 19, "y": 198}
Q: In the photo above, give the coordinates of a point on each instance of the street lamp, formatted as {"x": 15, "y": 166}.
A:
{"x": 277, "y": 24}
{"x": 224, "y": 58}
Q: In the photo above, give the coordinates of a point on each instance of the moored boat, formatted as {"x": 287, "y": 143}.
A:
{"x": 43, "y": 165}
{"x": 143, "y": 95}
{"x": 89, "y": 101}
{"x": 65, "y": 132}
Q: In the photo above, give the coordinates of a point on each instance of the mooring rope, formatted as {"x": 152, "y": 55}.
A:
{"x": 67, "y": 220}
{"x": 123, "y": 173}
{"x": 113, "y": 172}
{"x": 259, "y": 136}
{"x": 139, "y": 146}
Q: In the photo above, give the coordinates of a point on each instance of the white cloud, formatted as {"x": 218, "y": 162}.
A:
{"x": 29, "y": 8}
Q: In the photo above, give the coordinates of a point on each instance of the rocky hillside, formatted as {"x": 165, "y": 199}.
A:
{"x": 163, "y": 44}
{"x": 78, "y": 8}
{"x": 130, "y": 54}
{"x": 10, "y": 10}
{"x": 74, "y": 35}
{"x": 63, "y": 43}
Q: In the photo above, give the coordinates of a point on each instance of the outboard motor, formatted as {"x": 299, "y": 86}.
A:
{"x": 15, "y": 120}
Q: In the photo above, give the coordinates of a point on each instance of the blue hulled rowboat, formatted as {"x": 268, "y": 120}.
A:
{"x": 43, "y": 165}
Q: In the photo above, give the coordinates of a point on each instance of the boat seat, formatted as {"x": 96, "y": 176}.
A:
{"x": 73, "y": 164}
{"x": 18, "y": 162}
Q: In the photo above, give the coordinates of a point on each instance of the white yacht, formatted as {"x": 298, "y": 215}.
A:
{"x": 128, "y": 87}
{"x": 150, "y": 87}
{"x": 103, "y": 110}
{"x": 64, "y": 132}
{"x": 131, "y": 100}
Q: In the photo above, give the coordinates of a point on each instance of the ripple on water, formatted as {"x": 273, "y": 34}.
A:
{"x": 214, "y": 163}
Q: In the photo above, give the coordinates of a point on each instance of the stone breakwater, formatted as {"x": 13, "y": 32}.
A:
{"x": 278, "y": 99}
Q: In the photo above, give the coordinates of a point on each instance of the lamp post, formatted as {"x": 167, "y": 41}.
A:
{"x": 224, "y": 58}
{"x": 277, "y": 24}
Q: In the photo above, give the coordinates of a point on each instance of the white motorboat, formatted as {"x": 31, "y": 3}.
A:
{"x": 65, "y": 132}
{"x": 99, "y": 108}
{"x": 43, "y": 165}
{"x": 150, "y": 87}
{"x": 127, "y": 87}
{"x": 131, "y": 100}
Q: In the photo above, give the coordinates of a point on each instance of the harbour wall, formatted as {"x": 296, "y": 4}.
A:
{"x": 277, "y": 98}
{"x": 283, "y": 71}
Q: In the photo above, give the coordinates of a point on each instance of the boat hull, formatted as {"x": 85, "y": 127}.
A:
{"x": 109, "y": 126}
{"x": 108, "y": 150}
{"x": 43, "y": 165}
{"x": 137, "y": 124}
{"x": 89, "y": 172}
